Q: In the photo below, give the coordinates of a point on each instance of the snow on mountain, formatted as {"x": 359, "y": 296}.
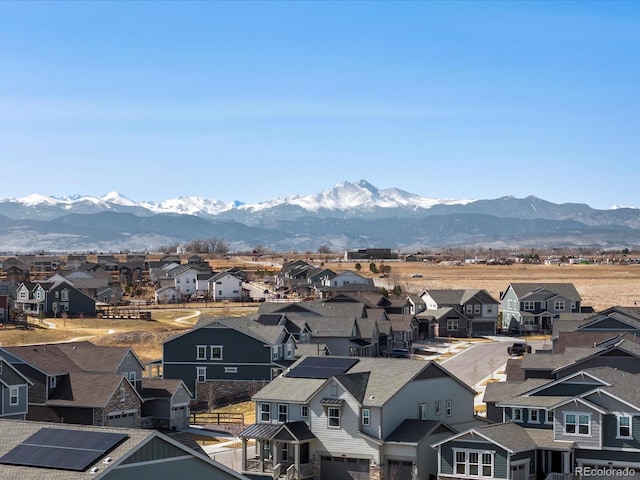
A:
{"x": 343, "y": 196}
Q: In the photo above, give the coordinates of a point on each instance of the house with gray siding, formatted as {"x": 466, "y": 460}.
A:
{"x": 221, "y": 359}
{"x": 14, "y": 388}
{"x": 565, "y": 427}
{"x": 533, "y": 307}
{"x": 107, "y": 454}
{"x": 344, "y": 417}
{"x": 53, "y": 299}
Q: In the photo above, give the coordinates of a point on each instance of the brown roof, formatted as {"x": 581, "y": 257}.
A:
{"x": 87, "y": 389}
{"x": 587, "y": 338}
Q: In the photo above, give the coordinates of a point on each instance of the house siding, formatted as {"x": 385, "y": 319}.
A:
{"x": 6, "y": 409}
{"x": 610, "y": 432}
{"x": 500, "y": 467}
{"x": 591, "y": 441}
{"x": 179, "y": 467}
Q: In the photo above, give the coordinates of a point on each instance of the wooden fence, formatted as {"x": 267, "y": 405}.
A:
{"x": 217, "y": 418}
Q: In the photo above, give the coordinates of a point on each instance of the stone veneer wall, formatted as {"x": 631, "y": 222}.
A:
{"x": 131, "y": 402}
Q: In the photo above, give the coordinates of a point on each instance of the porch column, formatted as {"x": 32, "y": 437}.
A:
{"x": 296, "y": 456}
{"x": 566, "y": 462}
{"x": 244, "y": 454}
{"x": 274, "y": 454}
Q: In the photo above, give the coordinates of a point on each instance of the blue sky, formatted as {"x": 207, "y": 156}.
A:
{"x": 254, "y": 100}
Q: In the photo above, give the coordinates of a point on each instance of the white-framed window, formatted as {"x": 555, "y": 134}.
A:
{"x": 558, "y": 305}
{"x": 548, "y": 416}
{"x": 366, "y": 417}
{"x": 23, "y": 295}
{"x": 577, "y": 423}
{"x": 489, "y": 308}
{"x": 452, "y": 324}
{"x": 216, "y": 352}
{"x": 230, "y": 369}
{"x": 516, "y": 414}
{"x": 283, "y": 413}
{"x": 123, "y": 393}
{"x": 52, "y": 382}
{"x": 333, "y": 417}
{"x": 422, "y": 411}
{"x": 64, "y": 295}
{"x": 469, "y": 309}
{"x": 436, "y": 407}
{"x": 449, "y": 407}
{"x": 534, "y": 416}
{"x": 14, "y": 396}
{"x": 201, "y": 374}
{"x": 473, "y": 463}
{"x": 529, "y": 305}
{"x": 624, "y": 426}
{"x": 201, "y": 352}
{"x": 132, "y": 377}
{"x": 265, "y": 412}
{"x": 304, "y": 411}
{"x": 476, "y": 309}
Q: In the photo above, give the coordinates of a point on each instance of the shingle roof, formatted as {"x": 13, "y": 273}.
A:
{"x": 86, "y": 389}
{"x": 412, "y": 431}
{"x": 566, "y": 290}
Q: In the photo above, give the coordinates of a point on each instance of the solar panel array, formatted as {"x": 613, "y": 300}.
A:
{"x": 63, "y": 449}
{"x": 321, "y": 367}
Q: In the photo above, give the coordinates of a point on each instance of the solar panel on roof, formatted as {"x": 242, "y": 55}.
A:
{"x": 321, "y": 367}
{"x": 63, "y": 449}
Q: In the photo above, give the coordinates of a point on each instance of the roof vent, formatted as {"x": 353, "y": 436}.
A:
{"x": 107, "y": 460}
{"x": 94, "y": 470}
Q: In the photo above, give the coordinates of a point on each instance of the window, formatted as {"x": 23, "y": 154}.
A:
{"x": 333, "y": 417}
{"x": 476, "y": 309}
{"x": 14, "y": 396}
{"x": 275, "y": 353}
{"x": 216, "y": 352}
{"x": 123, "y": 393}
{"x": 304, "y": 411}
{"x": 558, "y": 305}
{"x": 489, "y": 309}
{"x": 624, "y": 426}
{"x": 529, "y": 305}
{"x": 577, "y": 424}
{"x": 549, "y": 418}
{"x": 132, "y": 377}
{"x": 366, "y": 417}
{"x": 201, "y": 374}
{"x": 436, "y": 407}
{"x": 516, "y": 414}
{"x": 452, "y": 324}
{"x": 201, "y": 352}
{"x": 283, "y": 413}
{"x": 64, "y": 295}
{"x": 230, "y": 369}
{"x": 449, "y": 406}
{"x": 334, "y": 389}
{"x": 422, "y": 411}
{"x": 473, "y": 463}
{"x": 534, "y": 416}
{"x": 23, "y": 295}
{"x": 265, "y": 412}
{"x": 469, "y": 309}
{"x": 52, "y": 382}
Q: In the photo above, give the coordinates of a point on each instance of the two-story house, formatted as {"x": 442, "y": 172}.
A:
{"x": 342, "y": 417}
{"x": 582, "y": 425}
{"x": 13, "y": 392}
{"x": 458, "y": 313}
{"x": 88, "y": 384}
{"x": 53, "y": 299}
{"x": 223, "y": 359}
{"x": 533, "y": 307}
{"x": 225, "y": 286}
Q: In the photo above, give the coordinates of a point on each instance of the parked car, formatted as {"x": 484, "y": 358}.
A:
{"x": 519, "y": 349}
{"x": 400, "y": 353}
{"x": 416, "y": 275}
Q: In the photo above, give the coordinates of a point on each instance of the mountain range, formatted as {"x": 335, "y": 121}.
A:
{"x": 347, "y": 216}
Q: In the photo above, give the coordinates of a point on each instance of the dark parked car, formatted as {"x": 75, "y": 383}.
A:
{"x": 400, "y": 353}
{"x": 519, "y": 349}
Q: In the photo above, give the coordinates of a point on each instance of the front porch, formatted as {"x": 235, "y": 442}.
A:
{"x": 280, "y": 451}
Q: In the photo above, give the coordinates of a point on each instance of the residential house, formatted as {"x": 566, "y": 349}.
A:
{"x": 167, "y": 294}
{"x": 330, "y": 418}
{"x": 84, "y": 281}
{"x": 99, "y": 453}
{"x": 458, "y": 313}
{"x": 225, "y": 286}
{"x": 223, "y": 359}
{"x": 53, "y": 299}
{"x": 13, "y": 392}
{"x": 533, "y": 307}
{"x": 86, "y": 384}
{"x": 573, "y": 426}
{"x": 4, "y": 303}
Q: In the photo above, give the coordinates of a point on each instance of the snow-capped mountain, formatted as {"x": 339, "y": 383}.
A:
{"x": 349, "y": 215}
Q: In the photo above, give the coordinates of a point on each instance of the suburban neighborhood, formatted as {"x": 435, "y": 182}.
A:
{"x": 346, "y": 379}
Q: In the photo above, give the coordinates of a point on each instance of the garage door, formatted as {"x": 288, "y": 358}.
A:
{"x": 483, "y": 328}
{"x": 400, "y": 469}
{"x": 339, "y": 468}
{"x": 125, "y": 419}
{"x": 179, "y": 416}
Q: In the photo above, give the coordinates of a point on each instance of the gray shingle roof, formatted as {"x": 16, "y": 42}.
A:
{"x": 566, "y": 290}
{"x": 413, "y": 431}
